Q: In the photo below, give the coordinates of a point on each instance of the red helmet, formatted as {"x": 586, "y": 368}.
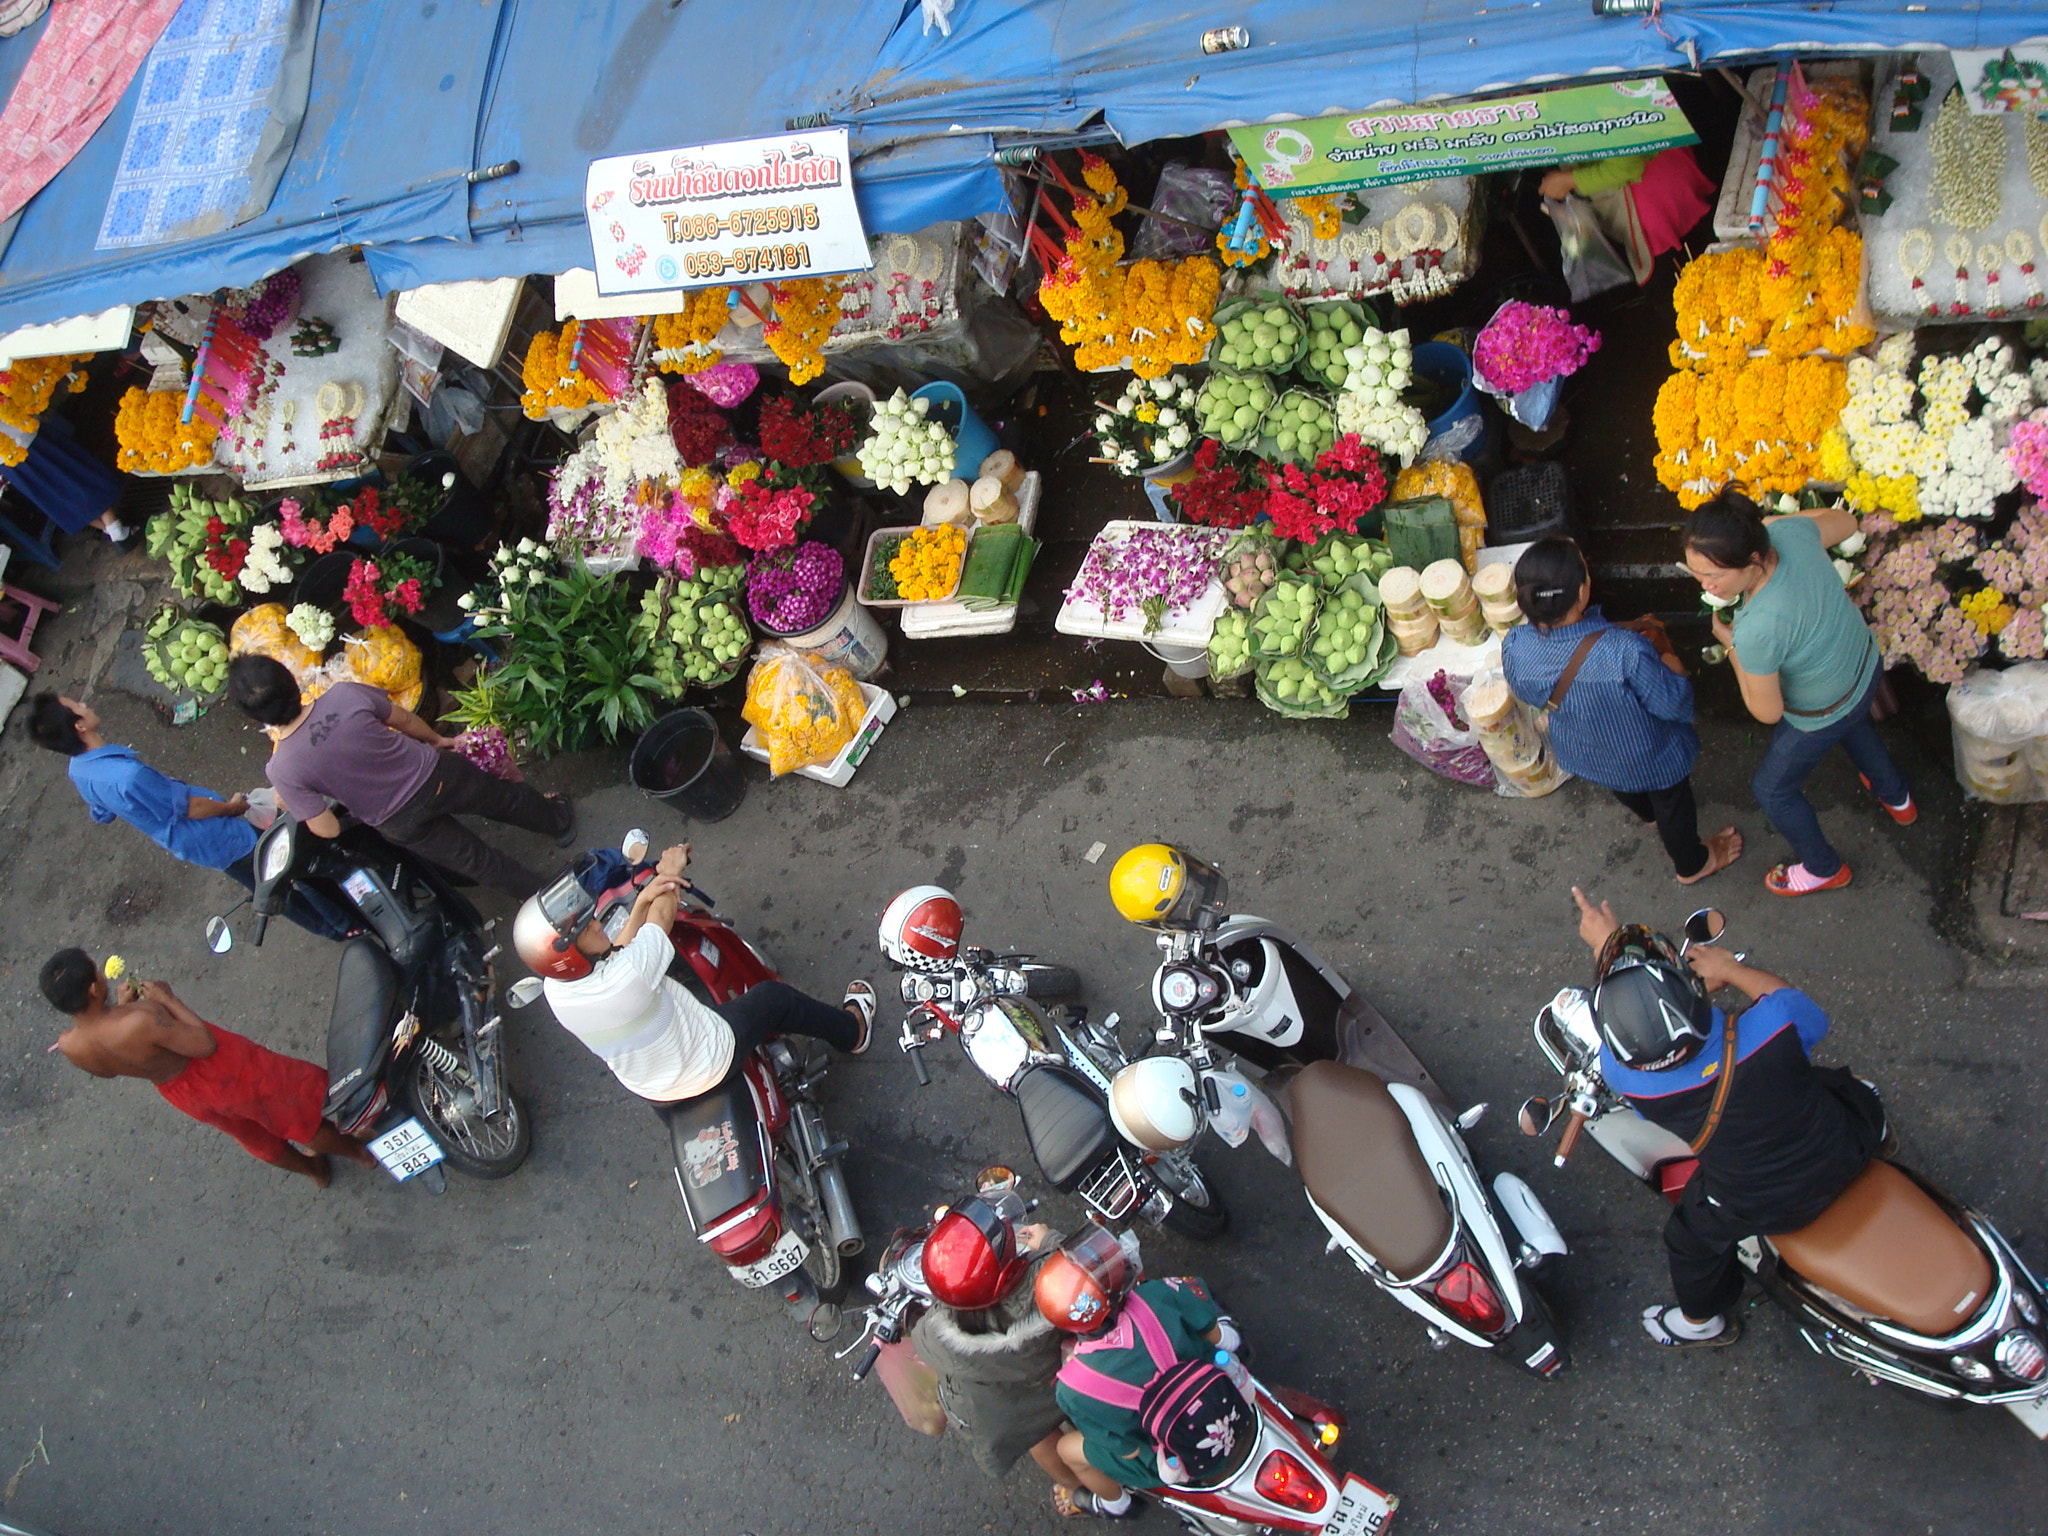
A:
{"x": 1078, "y": 1288}
{"x": 544, "y": 932}
{"x": 972, "y": 1260}
{"x": 921, "y": 929}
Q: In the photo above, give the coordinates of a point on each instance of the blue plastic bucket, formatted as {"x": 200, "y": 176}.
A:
{"x": 1443, "y": 363}
{"x": 950, "y": 407}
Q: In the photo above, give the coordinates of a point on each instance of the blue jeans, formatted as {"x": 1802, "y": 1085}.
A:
{"x": 1779, "y": 785}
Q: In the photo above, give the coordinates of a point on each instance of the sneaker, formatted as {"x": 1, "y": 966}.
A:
{"x": 1905, "y": 815}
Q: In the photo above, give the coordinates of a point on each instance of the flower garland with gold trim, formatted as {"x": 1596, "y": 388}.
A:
{"x": 806, "y": 310}
{"x": 684, "y": 338}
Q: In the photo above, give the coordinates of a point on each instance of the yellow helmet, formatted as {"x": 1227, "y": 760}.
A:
{"x": 1160, "y": 886}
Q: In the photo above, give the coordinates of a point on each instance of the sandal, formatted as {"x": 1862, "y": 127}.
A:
{"x": 1905, "y": 815}
{"x": 1656, "y": 1323}
{"x": 1723, "y": 849}
{"x": 860, "y": 996}
{"x": 1793, "y": 880}
{"x": 1080, "y": 1504}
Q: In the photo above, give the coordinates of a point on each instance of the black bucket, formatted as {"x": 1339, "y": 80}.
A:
{"x": 681, "y": 761}
{"x": 321, "y": 583}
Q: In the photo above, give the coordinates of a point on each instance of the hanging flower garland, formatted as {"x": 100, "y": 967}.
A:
{"x": 806, "y": 310}
{"x": 552, "y": 380}
{"x": 26, "y": 386}
{"x": 684, "y": 339}
{"x": 153, "y": 439}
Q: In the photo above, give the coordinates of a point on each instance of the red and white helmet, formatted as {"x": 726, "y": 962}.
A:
{"x": 921, "y": 929}
{"x": 544, "y": 932}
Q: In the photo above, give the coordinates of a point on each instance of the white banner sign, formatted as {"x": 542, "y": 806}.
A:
{"x": 753, "y": 210}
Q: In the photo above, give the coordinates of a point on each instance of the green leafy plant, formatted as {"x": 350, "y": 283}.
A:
{"x": 576, "y": 666}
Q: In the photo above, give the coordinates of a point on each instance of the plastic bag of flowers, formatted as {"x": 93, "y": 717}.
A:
{"x": 805, "y": 710}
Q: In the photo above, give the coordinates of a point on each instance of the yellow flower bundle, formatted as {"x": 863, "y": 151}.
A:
{"x": 805, "y": 712}
{"x": 1987, "y": 609}
{"x": 927, "y": 564}
{"x": 1101, "y": 180}
{"x": 153, "y": 439}
{"x": 691, "y": 330}
{"x": 1760, "y": 423}
{"x": 1324, "y": 213}
{"x": 26, "y": 386}
{"x": 1896, "y": 494}
{"x": 551, "y": 380}
{"x": 1452, "y": 481}
{"x": 806, "y": 310}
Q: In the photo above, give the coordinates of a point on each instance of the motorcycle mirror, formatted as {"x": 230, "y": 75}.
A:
{"x": 1706, "y": 925}
{"x": 1471, "y": 1116}
{"x": 1536, "y": 1115}
{"x": 523, "y": 991}
{"x": 220, "y": 938}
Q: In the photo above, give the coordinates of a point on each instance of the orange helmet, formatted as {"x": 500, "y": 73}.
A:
{"x": 1078, "y": 1288}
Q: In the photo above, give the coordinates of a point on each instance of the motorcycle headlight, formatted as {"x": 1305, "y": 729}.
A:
{"x": 2020, "y": 1356}
{"x": 277, "y": 853}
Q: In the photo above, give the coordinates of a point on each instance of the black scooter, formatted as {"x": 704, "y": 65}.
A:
{"x": 415, "y": 1055}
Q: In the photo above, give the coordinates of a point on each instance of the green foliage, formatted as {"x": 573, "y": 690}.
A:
{"x": 576, "y": 666}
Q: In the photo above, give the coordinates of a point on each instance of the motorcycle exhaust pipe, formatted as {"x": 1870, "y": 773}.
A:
{"x": 841, "y": 1225}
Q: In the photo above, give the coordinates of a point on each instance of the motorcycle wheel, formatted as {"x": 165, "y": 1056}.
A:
{"x": 479, "y": 1147}
{"x": 800, "y": 1208}
{"x": 1198, "y": 1209}
{"x": 1050, "y": 981}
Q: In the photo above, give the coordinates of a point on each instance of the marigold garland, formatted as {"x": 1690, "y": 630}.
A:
{"x": 806, "y": 310}
{"x": 685, "y": 337}
{"x": 152, "y": 439}
{"x": 26, "y": 386}
{"x": 552, "y": 381}
{"x": 1324, "y": 213}
{"x": 1759, "y": 423}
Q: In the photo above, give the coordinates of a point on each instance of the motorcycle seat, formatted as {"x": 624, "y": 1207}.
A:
{"x": 1885, "y": 1246}
{"x": 1360, "y": 1163}
{"x": 716, "y": 1139}
{"x": 359, "y": 1026}
{"x": 1066, "y": 1122}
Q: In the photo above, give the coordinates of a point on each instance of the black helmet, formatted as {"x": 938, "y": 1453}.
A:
{"x": 1652, "y": 1010}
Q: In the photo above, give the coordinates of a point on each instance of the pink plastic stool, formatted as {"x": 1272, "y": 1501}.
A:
{"x": 14, "y": 648}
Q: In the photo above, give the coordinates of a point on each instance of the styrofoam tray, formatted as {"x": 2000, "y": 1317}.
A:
{"x": 1189, "y": 626}
{"x": 930, "y": 621}
{"x": 867, "y": 571}
{"x": 839, "y": 772}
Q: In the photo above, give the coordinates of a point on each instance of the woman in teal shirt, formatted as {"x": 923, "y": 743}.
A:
{"x": 1805, "y": 662}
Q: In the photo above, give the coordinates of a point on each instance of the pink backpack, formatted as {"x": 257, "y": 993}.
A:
{"x": 1190, "y": 1410}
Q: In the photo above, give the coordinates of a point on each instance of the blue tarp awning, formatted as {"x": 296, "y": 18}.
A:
{"x": 406, "y": 100}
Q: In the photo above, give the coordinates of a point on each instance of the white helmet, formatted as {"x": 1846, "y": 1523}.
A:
{"x": 1153, "y": 1102}
{"x": 921, "y": 929}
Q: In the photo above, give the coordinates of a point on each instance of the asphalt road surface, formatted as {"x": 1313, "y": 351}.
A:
{"x": 191, "y": 1342}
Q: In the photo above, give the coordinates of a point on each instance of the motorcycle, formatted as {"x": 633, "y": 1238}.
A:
{"x": 1375, "y": 1141}
{"x": 1897, "y": 1280}
{"x": 415, "y": 1055}
{"x": 1278, "y": 1480}
{"x": 760, "y": 1176}
{"x": 1064, "y": 1079}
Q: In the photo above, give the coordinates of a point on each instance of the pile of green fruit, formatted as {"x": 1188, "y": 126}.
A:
{"x": 1232, "y": 405}
{"x": 1352, "y": 646}
{"x": 1300, "y": 427}
{"x": 1341, "y": 556}
{"x": 1331, "y": 328}
{"x": 1265, "y": 337}
{"x": 185, "y": 655}
{"x": 1295, "y": 689}
{"x": 179, "y": 536}
{"x": 1280, "y": 623}
{"x": 695, "y": 633}
{"x": 1230, "y": 644}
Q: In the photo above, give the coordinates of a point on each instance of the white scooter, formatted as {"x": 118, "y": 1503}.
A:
{"x": 1895, "y": 1279}
{"x": 1377, "y": 1144}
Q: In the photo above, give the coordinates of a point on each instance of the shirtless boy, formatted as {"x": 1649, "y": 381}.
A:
{"x": 264, "y": 1100}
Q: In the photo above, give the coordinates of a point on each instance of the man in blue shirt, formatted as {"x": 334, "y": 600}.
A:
{"x": 1621, "y": 712}
{"x": 1774, "y": 1150}
{"x": 187, "y": 822}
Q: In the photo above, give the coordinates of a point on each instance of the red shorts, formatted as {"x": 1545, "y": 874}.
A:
{"x": 260, "y": 1098}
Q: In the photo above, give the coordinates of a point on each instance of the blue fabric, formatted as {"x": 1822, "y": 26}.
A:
{"x": 405, "y": 100}
{"x": 1780, "y": 781}
{"x": 1770, "y": 1015}
{"x": 60, "y": 479}
{"x": 119, "y": 786}
{"x": 1626, "y": 722}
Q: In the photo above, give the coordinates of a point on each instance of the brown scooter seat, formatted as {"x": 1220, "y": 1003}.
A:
{"x": 1360, "y": 1162}
{"x": 1889, "y": 1249}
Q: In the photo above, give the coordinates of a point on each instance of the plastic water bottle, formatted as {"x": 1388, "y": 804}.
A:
{"x": 1233, "y": 1367}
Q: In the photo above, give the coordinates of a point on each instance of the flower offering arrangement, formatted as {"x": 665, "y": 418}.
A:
{"x": 1524, "y": 345}
{"x": 1149, "y": 424}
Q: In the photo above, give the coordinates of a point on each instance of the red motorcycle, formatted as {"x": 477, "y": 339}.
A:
{"x": 759, "y": 1174}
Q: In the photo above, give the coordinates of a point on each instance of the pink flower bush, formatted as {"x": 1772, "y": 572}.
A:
{"x": 1524, "y": 345}
{"x": 2027, "y": 453}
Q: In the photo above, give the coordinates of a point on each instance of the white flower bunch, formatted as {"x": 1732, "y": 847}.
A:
{"x": 905, "y": 447}
{"x": 1149, "y": 423}
{"x": 1397, "y": 430}
{"x": 1972, "y": 475}
{"x": 265, "y": 567}
{"x": 633, "y": 443}
{"x": 313, "y": 626}
{"x": 1380, "y": 362}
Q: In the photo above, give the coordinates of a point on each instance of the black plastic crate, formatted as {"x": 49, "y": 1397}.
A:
{"x": 1527, "y": 503}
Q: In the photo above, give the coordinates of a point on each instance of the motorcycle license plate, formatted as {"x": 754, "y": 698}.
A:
{"x": 407, "y": 1149}
{"x": 782, "y": 1258}
{"x": 2034, "y": 1414}
{"x": 1362, "y": 1510}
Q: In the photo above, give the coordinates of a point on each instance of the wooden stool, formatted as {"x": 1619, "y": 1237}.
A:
{"x": 15, "y": 648}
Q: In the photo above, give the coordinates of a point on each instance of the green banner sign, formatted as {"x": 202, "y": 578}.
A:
{"x": 1396, "y": 144}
